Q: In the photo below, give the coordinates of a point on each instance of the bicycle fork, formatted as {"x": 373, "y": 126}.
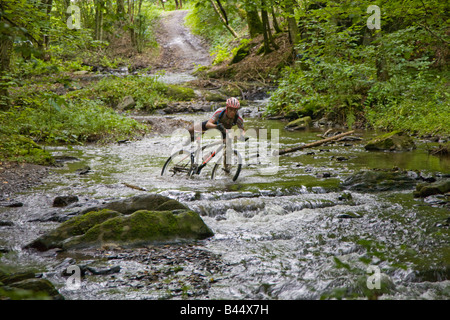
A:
{"x": 198, "y": 169}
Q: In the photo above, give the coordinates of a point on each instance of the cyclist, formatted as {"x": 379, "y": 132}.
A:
{"x": 223, "y": 118}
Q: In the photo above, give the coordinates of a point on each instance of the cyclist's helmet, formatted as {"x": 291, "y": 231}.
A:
{"x": 233, "y": 103}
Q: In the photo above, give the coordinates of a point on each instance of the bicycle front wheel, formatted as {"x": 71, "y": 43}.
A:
{"x": 179, "y": 163}
{"x": 226, "y": 169}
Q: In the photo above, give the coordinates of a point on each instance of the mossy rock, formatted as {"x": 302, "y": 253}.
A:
{"x": 131, "y": 221}
{"x": 21, "y": 148}
{"x": 73, "y": 227}
{"x": 8, "y": 278}
{"x": 304, "y": 122}
{"x": 38, "y": 288}
{"x": 385, "y": 287}
{"x": 171, "y": 205}
{"x": 25, "y": 285}
{"x": 393, "y": 141}
{"x": 132, "y": 204}
{"x": 143, "y": 227}
{"x": 179, "y": 93}
{"x": 231, "y": 91}
{"x": 373, "y": 181}
{"x": 428, "y": 189}
{"x": 241, "y": 53}
{"x": 213, "y": 96}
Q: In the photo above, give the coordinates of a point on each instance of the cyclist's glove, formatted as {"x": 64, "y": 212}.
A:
{"x": 221, "y": 128}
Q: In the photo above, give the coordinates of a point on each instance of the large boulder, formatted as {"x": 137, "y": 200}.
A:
{"x": 143, "y": 227}
{"x": 428, "y": 189}
{"x": 299, "y": 124}
{"x": 133, "y": 221}
{"x": 379, "y": 180}
{"x": 26, "y": 285}
{"x": 133, "y": 204}
{"x": 393, "y": 141}
{"x": 72, "y": 227}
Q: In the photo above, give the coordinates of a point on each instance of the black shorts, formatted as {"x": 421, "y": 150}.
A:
{"x": 204, "y": 126}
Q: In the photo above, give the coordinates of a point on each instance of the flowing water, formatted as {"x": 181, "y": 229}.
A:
{"x": 287, "y": 233}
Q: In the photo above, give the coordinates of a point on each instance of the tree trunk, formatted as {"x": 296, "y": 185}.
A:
{"x": 254, "y": 23}
{"x": 274, "y": 19}
{"x": 99, "y": 4}
{"x": 216, "y": 9}
{"x": 265, "y": 33}
{"x": 120, "y": 7}
{"x": 223, "y": 11}
{"x": 292, "y": 23}
{"x": 6, "y": 46}
{"x": 131, "y": 22}
{"x": 312, "y": 144}
{"x": 268, "y": 39}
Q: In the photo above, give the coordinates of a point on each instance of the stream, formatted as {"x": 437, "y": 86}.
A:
{"x": 291, "y": 234}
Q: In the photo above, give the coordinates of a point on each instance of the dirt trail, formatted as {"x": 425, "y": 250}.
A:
{"x": 181, "y": 51}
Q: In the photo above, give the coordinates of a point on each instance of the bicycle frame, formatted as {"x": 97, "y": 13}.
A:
{"x": 196, "y": 155}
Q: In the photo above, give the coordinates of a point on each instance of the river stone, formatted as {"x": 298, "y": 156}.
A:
{"x": 143, "y": 227}
{"x": 132, "y": 204}
{"x": 72, "y": 227}
{"x": 127, "y": 103}
{"x": 428, "y": 189}
{"x": 301, "y": 123}
{"x": 8, "y": 278}
{"x": 42, "y": 288}
{"x": 384, "y": 285}
{"x": 380, "y": 180}
{"x": 394, "y": 141}
{"x": 63, "y": 201}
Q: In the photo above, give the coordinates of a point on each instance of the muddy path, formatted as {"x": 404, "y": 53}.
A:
{"x": 181, "y": 51}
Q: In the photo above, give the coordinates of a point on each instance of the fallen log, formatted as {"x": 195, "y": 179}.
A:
{"x": 133, "y": 187}
{"x": 312, "y": 144}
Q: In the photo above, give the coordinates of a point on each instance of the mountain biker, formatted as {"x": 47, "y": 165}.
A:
{"x": 223, "y": 118}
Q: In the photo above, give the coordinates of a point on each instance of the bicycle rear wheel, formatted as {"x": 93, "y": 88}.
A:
{"x": 230, "y": 169}
{"x": 179, "y": 163}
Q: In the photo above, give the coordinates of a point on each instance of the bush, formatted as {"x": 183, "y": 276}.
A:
{"x": 49, "y": 118}
{"x": 392, "y": 79}
{"x": 148, "y": 92}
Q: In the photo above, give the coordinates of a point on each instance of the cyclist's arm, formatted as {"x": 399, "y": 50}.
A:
{"x": 210, "y": 124}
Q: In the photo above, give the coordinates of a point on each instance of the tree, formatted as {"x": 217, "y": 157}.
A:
{"x": 268, "y": 39}
{"x": 222, "y": 17}
{"x": 292, "y": 22}
{"x": 22, "y": 22}
{"x": 99, "y": 8}
{"x": 254, "y": 23}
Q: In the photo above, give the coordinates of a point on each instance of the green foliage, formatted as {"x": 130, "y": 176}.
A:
{"x": 48, "y": 118}
{"x": 395, "y": 78}
{"x": 203, "y": 21}
{"x": 148, "y": 92}
{"x": 22, "y": 149}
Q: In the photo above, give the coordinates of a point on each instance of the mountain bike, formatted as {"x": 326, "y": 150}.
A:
{"x": 227, "y": 166}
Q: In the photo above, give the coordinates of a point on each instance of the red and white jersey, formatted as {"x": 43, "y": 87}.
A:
{"x": 220, "y": 116}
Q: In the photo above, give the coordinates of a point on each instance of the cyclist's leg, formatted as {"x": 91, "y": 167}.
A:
{"x": 192, "y": 130}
